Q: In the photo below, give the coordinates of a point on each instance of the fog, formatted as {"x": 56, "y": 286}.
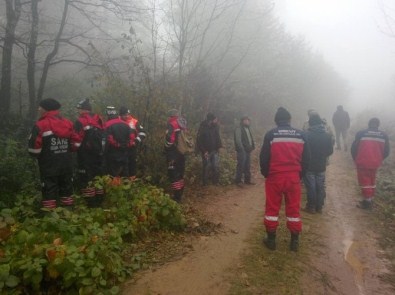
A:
{"x": 232, "y": 57}
{"x": 352, "y": 35}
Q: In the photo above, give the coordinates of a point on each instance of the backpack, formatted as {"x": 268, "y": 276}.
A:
{"x": 185, "y": 143}
{"x": 93, "y": 140}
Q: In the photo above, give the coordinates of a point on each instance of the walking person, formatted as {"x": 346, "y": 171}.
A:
{"x": 119, "y": 139}
{"x": 244, "y": 145}
{"x": 369, "y": 149}
{"x": 321, "y": 147}
{"x": 89, "y": 136}
{"x": 341, "y": 122}
{"x": 139, "y": 134}
{"x": 175, "y": 159}
{"x": 284, "y": 159}
{"x": 208, "y": 143}
{"x": 50, "y": 143}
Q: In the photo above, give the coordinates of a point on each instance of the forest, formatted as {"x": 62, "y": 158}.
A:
{"x": 228, "y": 57}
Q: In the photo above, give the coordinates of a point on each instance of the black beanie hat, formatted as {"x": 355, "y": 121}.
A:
{"x": 315, "y": 119}
{"x": 282, "y": 115}
{"x": 123, "y": 111}
{"x": 50, "y": 104}
{"x": 84, "y": 105}
{"x": 374, "y": 123}
{"x": 210, "y": 117}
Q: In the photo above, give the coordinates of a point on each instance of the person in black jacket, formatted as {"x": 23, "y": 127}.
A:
{"x": 321, "y": 147}
{"x": 119, "y": 139}
{"x": 341, "y": 122}
{"x": 244, "y": 145}
{"x": 208, "y": 143}
{"x": 50, "y": 142}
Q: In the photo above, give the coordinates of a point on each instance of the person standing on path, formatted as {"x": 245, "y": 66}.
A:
{"x": 321, "y": 147}
{"x": 369, "y": 149}
{"x": 244, "y": 145}
{"x": 50, "y": 142}
{"x": 175, "y": 159}
{"x": 341, "y": 122}
{"x": 284, "y": 159}
{"x": 208, "y": 142}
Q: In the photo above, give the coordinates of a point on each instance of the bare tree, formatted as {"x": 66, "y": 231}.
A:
{"x": 13, "y": 12}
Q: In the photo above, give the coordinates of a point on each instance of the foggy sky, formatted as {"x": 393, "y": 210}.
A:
{"x": 349, "y": 34}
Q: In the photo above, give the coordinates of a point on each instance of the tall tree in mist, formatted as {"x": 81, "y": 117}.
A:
{"x": 13, "y": 12}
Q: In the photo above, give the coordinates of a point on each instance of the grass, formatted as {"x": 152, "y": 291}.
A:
{"x": 262, "y": 271}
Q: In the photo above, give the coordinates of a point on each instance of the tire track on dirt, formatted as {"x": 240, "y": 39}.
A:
{"x": 345, "y": 256}
{"x": 204, "y": 270}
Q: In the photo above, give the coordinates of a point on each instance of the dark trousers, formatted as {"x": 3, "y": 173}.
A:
{"x": 211, "y": 166}
{"x": 117, "y": 163}
{"x": 315, "y": 187}
{"x": 89, "y": 166}
{"x": 175, "y": 172}
{"x": 132, "y": 161}
{"x": 343, "y": 134}
{"x": 57, "y": 190}
{"x": 243, "y": 166}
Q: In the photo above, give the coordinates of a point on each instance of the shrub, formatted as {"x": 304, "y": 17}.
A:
{"x": 80, "y": 251}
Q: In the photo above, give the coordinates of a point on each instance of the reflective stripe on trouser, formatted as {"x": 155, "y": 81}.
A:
{"x": 67, "y": 201}
{"x": 88, "y": 192}
{"x": 276, "y": 187}
{"x": 367, "y": 182}
{"x": 49, "y": 204}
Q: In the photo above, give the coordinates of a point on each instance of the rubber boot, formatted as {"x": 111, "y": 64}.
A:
{"x": 366, "y": 205}
{"x": 270, "y": 241}
{"x": 177, "y": 195}
{"x": 294, "y": 245}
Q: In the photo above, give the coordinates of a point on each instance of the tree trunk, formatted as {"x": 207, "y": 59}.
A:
{"x": 52, "y": 54}
{"x": 13, "y": 11}
{"x": 31, "y": 60}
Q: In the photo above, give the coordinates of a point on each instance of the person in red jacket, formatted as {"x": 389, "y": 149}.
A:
{"x": 139, "y": 134}
{"x": 369, "y": 149}
{"x": 119, "y": 139}
{"x": 284, "y": 159}
{"x": 88, "y": 129}
{"x": 175, "y": 160}
{"x": 51, "y": 143}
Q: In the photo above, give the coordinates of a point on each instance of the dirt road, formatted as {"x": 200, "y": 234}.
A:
{"x": 344, "y": 259}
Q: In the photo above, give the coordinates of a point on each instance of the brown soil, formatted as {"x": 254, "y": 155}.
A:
{"x": 345, "y": 257}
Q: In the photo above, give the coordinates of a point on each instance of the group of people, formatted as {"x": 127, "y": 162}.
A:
{"x": 102, "y": 148}
{"x": 288, "y": 155}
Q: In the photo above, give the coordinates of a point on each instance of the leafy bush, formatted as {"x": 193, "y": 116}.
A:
{"x": 18, "y": 172}
{"x": 80, "y": 251}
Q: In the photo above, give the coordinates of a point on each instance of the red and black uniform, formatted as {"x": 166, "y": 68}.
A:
{"x": 139, "y": 134}
{"x": 89, "y": 130}
{"x": 50, "y": 142}
{"x": 284, "y": 158}
{"x": 119, "y": 139}
{"x": 175, "y": 160}
{"x": 369, "y": 149}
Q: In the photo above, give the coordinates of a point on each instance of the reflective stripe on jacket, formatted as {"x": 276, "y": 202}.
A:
{"x": 370, "y": 148}
{"x": 50, "y": 142}
{"x": 284, "y": 150}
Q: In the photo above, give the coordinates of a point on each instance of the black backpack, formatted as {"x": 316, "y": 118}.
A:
{"x": 93, "y": 140}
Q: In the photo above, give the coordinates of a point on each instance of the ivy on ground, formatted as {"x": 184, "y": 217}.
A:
{"x": 81, "y": 251}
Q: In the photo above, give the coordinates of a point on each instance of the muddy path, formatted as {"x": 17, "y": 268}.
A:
{"x": 344, "y": 256}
